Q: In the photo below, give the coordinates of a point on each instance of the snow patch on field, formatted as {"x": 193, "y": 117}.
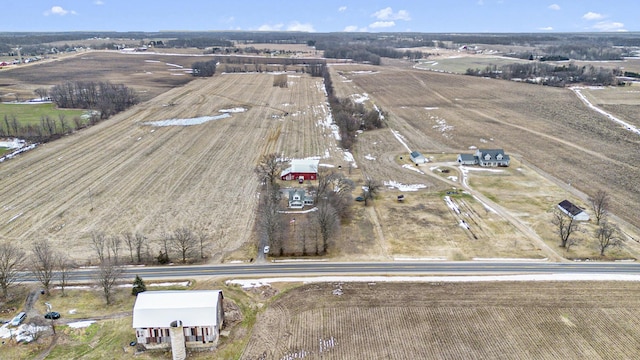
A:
{"x": 369, "y": 157}
{"x": 453, "y": 206}
{"x": 442, "y": 126}
{"x": 360, "y": 98}
{"x": 81, "y": 324}
{"x": 413, "y": 168}
{"x": 24, "y": 333}
{"x": 404, "y": 187}
{"x": 12, "y": 144}
{"x": 248, "y": 283}
{"x": 348, "y": 157}
{"x": 431, "y": 108}
{"x": 188, "y": 121}
{"x": 19, "y": 151}
{"x": 233, "y": 110}
{"x": 629, "y": 127}
{"x": 400, "y": 138}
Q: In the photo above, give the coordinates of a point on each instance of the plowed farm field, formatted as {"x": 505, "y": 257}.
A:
{"x": 520, "y": 320}
{"x": 127, "y": 174}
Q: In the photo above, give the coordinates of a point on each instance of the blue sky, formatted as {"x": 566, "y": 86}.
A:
{"x": 322, "y": 16}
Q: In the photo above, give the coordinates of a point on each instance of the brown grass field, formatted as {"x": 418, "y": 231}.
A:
{"x": 123, "y": 175}
{"x": 575, "y": 147}
{"x": 541, "y": 320}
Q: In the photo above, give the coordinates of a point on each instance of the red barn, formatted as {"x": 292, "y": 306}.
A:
{"x": 305, "y": 169}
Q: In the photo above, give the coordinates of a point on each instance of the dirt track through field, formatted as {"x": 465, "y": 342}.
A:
{"x": 123, "y": 175}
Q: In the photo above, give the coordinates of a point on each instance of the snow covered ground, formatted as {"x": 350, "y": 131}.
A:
{"x": 248, "y": 283}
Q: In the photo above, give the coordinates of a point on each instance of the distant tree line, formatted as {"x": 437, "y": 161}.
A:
{"x": 350, "y": 116}
{"x": 566, "y": 52}
{"x": 106, "y": 98}
{"x": 547, "y": 74}
{"x": 198, "y": 42}
{"x": 368, "y": 54}
{"x": 46, "y": 130}
{"x": 204, "y": 68}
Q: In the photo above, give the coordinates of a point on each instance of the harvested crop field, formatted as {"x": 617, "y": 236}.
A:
{"x": 148, "y": 74}
{"x": 475, "y": 320}
{"x": 551, "y": 128}
{"x": 127, "y": 175}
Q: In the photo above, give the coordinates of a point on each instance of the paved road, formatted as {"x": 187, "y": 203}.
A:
{"x": 368, "y": 268}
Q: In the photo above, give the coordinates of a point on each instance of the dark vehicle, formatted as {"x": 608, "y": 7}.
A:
{"x": 52, "y": 315}
{"x": 359, "y": 198}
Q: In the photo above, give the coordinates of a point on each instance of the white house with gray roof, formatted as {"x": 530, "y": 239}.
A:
{"x": 485, "y": 158}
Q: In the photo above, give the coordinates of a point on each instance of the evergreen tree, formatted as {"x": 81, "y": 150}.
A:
{"x": 138, "y": 286}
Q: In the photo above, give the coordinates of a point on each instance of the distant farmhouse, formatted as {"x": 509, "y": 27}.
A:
{"x": 178, "y": 319}
{"x": 417, "y": 158}
{"x": 573, "y": 211}
{"x": 298, "y": 198}
{"x": 485, "y": 158}
{"x": 301, "y": 169}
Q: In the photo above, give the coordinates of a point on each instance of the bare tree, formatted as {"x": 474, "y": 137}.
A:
{"x": 268, "y": 168}
{"x": 184, "y": 242}
{"x": 43, "y": 263}
{"x": 139, "y": 242}
{"x": 11, "y": 261}
{"x": 327, "y": 221}
{"x": 608, "y": 236}
{"x": 203, "y": 237}
{"x": 41, "y": 92}
{"x": 600, "y": 205}
{"x": 565, "y": 226}
{"x": 113, "y": 245}
{"x": 269, "y": 220}
{"x": 370, "y": 189}
{"x": 129, "y": 241}
{"x": 65, "y": 265}
{"x": 63, "y": 123}
{"x": 107, "y": 276}
{"x": 98, "y": 240}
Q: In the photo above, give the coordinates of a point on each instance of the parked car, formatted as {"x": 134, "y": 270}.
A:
{"x": 266, "y": 249}
{"x": 19, "y": 319}
{"x": 52, "y": 315}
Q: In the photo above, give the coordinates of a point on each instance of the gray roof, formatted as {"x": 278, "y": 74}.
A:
{"x": 158, "y": 309}
{"x": 570, "y": 208}
{"x": 467, "y": 157}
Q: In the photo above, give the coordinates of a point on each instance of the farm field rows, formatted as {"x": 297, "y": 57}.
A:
{"x": 124, "y": 175}
{"x": 550, "y": 128}
{"x": 515, "y": 320}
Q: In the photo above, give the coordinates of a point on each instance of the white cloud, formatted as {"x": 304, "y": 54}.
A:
{"x": 342, "y": 8}
{"x": 609, "y": 26}
{"x": 554, "y": 7}
{"x": 480, "y": 2}
{"x": 58, "y": 10}
{"x": 268, "y": 27}
{"x": 382, "y": 24}
{"x": 548, "y": 28}
{"x": 592, "y": 16}
{"x": 296, "y": 26}
{"x": 99, "y": 2}
{"x": 350, "y": 28}
{"x": 388, "y": 14}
